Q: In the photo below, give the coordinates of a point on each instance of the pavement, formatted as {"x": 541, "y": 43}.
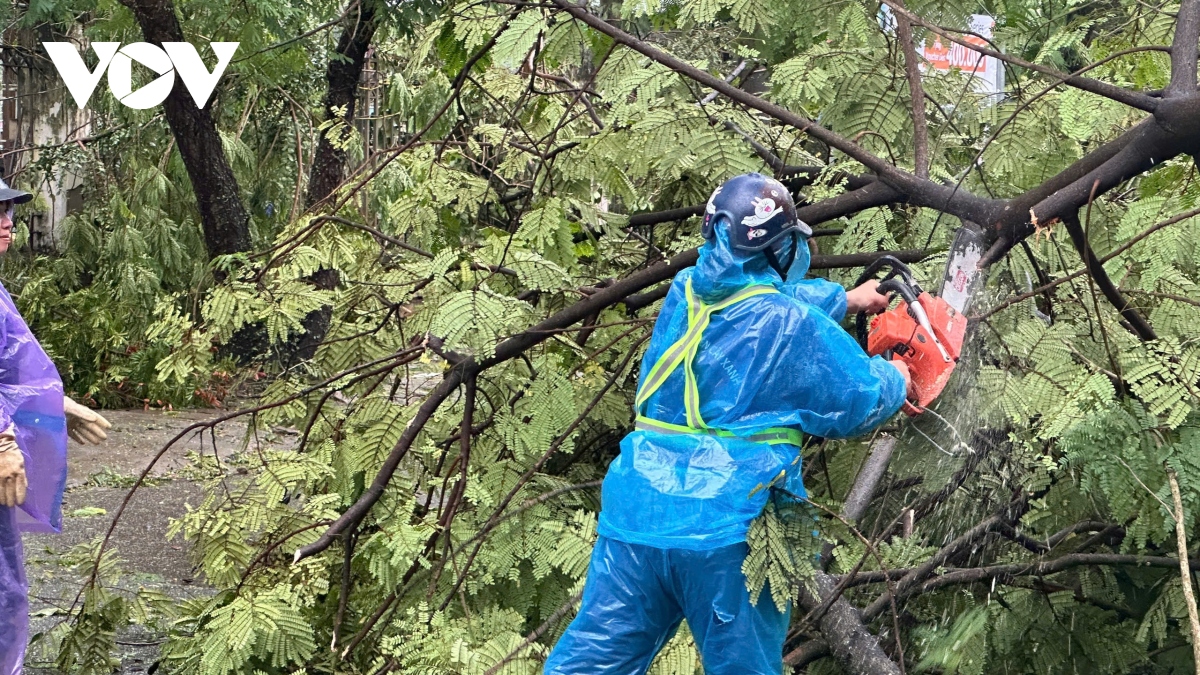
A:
{"x": 98, "y": 482}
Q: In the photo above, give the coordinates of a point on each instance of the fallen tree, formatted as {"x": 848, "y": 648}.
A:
{"x": 439, "y": 510}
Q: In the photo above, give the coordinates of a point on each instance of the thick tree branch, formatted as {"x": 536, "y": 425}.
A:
{"x": 1174, "y": 130}
{"x": 846, "y": 635}
{"x": 916, "y": 92}
{"x": 868, "y": 478}
{"x": 1183, "y": 49}
{"x": 859, "y": 497}
{"x": 1018, "y": 207}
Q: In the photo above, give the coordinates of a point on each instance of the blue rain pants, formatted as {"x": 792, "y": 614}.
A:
{"x": 635, "y": 596}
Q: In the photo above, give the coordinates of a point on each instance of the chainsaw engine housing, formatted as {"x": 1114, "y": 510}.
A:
{"x": 895, "y": 331}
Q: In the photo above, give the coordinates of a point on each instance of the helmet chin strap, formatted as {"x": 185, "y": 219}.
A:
{"x": 773, "y": 261}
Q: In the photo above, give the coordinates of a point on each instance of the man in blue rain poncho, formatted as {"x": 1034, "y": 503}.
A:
{"x": 746, "y": 356}
{"x": 35, "y": 420}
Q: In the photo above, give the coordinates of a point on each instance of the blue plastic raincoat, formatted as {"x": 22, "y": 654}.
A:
{"x": 31, "y": 399}
{"x": 771, "y": 362}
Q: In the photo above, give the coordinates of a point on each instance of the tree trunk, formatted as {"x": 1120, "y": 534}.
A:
{"x": 329, "y": 162}
{"x": 853, "y": 646}
{"x": 341, "y": 76}
{"x": 223, "y": 217}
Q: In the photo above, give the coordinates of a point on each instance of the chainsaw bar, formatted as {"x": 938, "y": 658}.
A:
{"x": 962, "y": 268}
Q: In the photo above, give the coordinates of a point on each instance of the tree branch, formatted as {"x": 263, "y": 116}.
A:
{"x": 1185, "y": 572}
{"x": 1096, "y": 271}
{"x": 1179, "y": 217}
{"x": 845, "y": 633}
{"x": 901, "y": 186}
{"x": 1140, "y": 149}
{"x": 359, "y": 509}
{"x": 1041, "y": 547}
{"x": 667, "y": 216}
{"x": 954, "y": 575}
{"x": 1130, "y": 98}
{"x": 830, "y": 138}
{"x": 910, "y": 580}
{"x": 859, "y": 497}
{"x": 916, "y": 92}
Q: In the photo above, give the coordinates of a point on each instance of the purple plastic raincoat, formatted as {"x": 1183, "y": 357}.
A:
{"x": 31, "y": 398}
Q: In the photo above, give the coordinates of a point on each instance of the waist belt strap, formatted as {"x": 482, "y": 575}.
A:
{"x": 772, "y": 436}
{"x": 682, "y": 353}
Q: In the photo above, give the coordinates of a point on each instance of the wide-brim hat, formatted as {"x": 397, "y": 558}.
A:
{"x": 12, "y": 194}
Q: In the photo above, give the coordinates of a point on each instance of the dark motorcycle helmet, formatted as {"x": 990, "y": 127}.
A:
{"x": 760, "y": 215}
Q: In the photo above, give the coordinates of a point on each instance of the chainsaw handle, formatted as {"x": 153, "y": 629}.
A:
{"x": 898, "y": 287}
{"x": 898, "y": 269}
{"x": 889, "y": 286}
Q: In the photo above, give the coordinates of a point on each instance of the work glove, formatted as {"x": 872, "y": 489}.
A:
{"x": 84, "y": 424}
{"x": 12, "y": 470}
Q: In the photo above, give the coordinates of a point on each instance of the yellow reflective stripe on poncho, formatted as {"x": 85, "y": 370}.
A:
{"x": 683, "y": 352}
{"x": 698, "y": 317}
{"x": 772, "y": 436}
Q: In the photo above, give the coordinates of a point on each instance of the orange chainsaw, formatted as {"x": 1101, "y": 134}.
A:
{"x": 924, "y": 331}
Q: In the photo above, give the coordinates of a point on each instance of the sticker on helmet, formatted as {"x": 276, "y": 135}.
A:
{"x": 712, "y": 207}
{"x": 764, "y": 210}
{"x": 755, "y": 234}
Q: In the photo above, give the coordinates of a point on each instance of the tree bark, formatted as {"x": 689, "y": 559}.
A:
{"x": 224, "y": 219}
{"x": 916, "y": 93}
{"x": 847, "y": 637}
{"x": 341, "y": 98}
{"x": 329, "y": 161}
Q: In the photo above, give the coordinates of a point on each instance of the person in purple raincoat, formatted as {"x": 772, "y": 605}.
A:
{"x": 35, "y": 419}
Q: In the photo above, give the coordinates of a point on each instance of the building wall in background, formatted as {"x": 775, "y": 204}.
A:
{"x": 37, "y": 116}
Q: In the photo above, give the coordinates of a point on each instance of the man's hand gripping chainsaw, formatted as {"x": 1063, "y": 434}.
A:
{"x": 926, "y": 332}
